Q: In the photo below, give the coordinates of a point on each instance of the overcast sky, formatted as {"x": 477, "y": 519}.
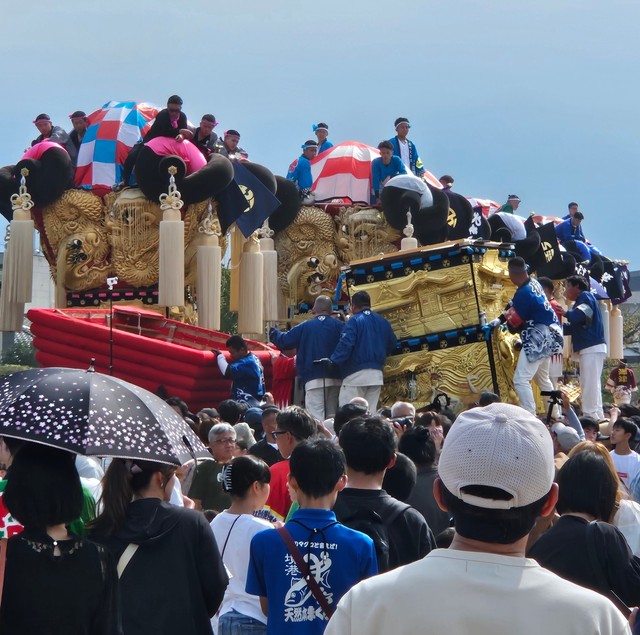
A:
{"x": 538, "y": 99}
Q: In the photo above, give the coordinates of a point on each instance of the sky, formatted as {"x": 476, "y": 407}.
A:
{"x": 538, "y": 99}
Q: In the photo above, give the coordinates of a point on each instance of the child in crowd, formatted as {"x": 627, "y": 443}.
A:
{"x": 627, "y": 461}
{"x": 246, "y": 479}
{"x": 300, "y": 598}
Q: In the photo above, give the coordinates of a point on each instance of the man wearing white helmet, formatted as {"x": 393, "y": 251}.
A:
{"x": 495, "y": 477}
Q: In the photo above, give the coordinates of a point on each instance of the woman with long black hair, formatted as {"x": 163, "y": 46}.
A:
{"x": 172, "y": 579}
{"x": 55, "y": 582}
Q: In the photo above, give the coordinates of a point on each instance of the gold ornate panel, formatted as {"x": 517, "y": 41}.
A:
{"x": 424, "y": 302}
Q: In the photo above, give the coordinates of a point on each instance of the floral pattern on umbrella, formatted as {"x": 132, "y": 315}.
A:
{"x": 94, "y": 414}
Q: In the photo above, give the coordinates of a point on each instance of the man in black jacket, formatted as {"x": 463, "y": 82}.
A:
{"x": 169, "y": 122}
{"x": 400, "y": 533}
{"x": 267, "y": 448}
{"x": 49, "y": 132}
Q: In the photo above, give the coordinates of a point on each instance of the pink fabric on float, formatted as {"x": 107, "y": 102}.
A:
{"x": 189, "y": 153}
{"x": 36, "y": 151}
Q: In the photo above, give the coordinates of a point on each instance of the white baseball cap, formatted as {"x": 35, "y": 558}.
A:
{"x": 500, "y": 446}
{"x": 567, "y": 436}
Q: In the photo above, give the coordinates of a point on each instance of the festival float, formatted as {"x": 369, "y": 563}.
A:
{"x": 137, "y": 272}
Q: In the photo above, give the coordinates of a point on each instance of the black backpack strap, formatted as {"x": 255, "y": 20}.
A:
{"x": 305, "y": 570}
{"x": 601, "y": 575}
{"x": 399, "y": 511}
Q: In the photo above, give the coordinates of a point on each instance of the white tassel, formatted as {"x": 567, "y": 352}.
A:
{"x": 250, "y": 312}
{"x": 11, "y": 313}
{"x": 17, "y": 277}
{"x": 270, "y": 273}
{"x": 237, "y": 242}
{"x": 616, "y": 328}
{"x": 20, "y": 283}
{"x": 209, "y": 279}
{"x": 171, "y": 275}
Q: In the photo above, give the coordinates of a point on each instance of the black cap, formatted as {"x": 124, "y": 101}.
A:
{"x": 77, "y": 114}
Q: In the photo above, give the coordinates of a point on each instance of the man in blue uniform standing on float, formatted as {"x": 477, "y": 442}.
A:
{"x": 584, "y": 324}
{"x": 406, "y": 149}
{"x": 315, "y": 340}
{"x": 530, "y": 313}
{"x": 300, "y": 170}
{"x": 366, "y": 341}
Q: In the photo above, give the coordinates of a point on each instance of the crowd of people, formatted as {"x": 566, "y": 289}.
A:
{"x": 337, "y": 517}
{"x": 343, "y": 517}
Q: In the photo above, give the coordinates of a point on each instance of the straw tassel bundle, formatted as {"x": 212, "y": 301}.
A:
{"x": 250, "y": 312}
{"x": 171, "y": 278}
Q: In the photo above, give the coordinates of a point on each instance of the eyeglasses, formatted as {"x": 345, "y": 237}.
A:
{"x": 226, "y": 441}
{"x": 276, "y": 433}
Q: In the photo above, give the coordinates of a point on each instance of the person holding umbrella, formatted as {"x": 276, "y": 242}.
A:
{"x": 55, "y": 581}
{"x": 172, "y": 578}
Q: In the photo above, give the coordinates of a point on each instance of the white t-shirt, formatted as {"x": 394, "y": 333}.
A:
{"x": 468, "y": 593}
{"x": 236, "y": 559}
{"x": 627, "y": 465}
{"x": 627, "y": 520}
{"x": 404, "y": 153}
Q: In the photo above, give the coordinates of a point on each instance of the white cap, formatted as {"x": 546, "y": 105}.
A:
{"x": 501, "y": 446}
{"x": 567, "y": 436}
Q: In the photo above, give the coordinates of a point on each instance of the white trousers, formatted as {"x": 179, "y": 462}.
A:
{"x": 591, "y": 383}
{"x": 314, "y": 402}
{"x": 370, "y": 393}
{"x": 526, "y": 371}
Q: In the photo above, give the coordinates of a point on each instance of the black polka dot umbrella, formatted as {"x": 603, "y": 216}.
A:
{"x": 94, "y": 414}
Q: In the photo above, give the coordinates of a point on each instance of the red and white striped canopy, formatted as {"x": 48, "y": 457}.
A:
{"x": 344, "y": 172}
{"x": 488, "y": 206}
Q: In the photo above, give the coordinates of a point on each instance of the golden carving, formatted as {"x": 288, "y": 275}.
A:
{"x": 363, "y": 232}
{"x": 75, "y": 230}
{"x": 426, "y": 302}
{"x": 134, "y": 231}
{"x": 116, "y": 236}
{"x": 308, "y": 263}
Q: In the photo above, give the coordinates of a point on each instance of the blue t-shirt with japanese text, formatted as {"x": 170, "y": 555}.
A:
{"x": 339, "y": 557}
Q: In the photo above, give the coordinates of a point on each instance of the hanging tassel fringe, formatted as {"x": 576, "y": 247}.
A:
{"x": 251, "y": 295}
{"x": 171, "y": 278}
